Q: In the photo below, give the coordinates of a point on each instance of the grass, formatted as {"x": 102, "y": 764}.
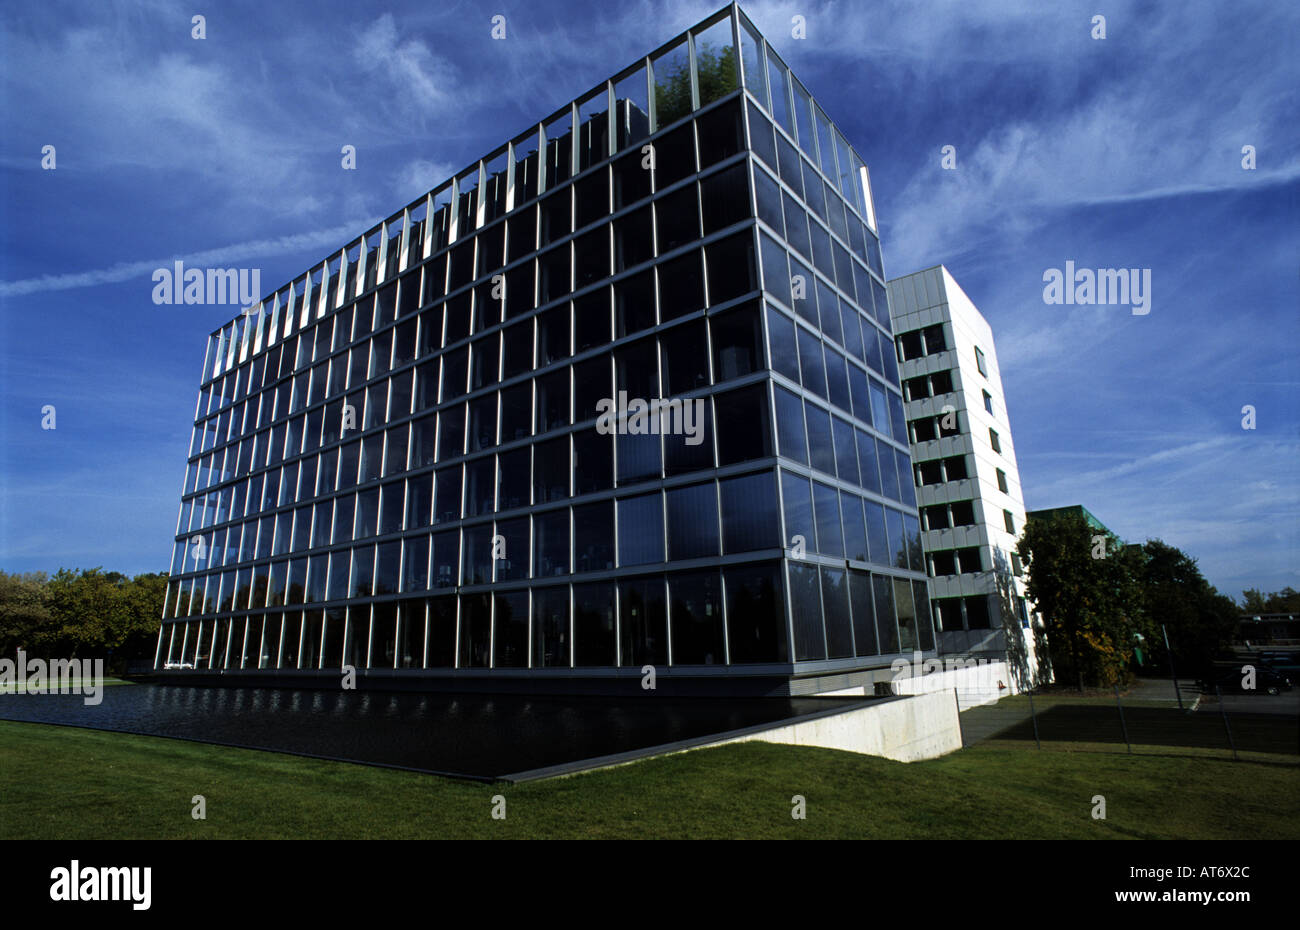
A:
{"x": 66, "y": 783}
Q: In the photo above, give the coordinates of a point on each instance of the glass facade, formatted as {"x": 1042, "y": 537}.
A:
{"x": 405, "y": 458}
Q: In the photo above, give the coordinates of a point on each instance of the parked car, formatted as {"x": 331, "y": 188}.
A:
{"x": 1267, "y": 681}
{"x": 1287, "y": 663}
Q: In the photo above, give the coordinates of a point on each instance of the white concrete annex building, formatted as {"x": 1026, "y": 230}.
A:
{"x": 968, "y": 485}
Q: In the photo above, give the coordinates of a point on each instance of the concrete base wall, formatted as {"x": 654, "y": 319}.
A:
{"x": 982, "y": 684}
{"x": 906, "y": 729}
{"x": 975, "y": 685}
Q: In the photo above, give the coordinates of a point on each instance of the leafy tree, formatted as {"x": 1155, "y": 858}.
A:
{"x": 717, "y": 77}
{"x": 716, "y": 71}
{"x": 1286, "y": 601}
{"x": 1092, "y": 606}
{"x": 1252, "y": 601}
{"x": 24, "y": 610}
{"x": 86, "y": 614}
{"x": 1199, "y": 620}
{"x": 144, "y": 596}
{"x": 1131, "y": 601}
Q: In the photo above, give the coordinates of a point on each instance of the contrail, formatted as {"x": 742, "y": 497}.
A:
{"x": 222, "y": 255}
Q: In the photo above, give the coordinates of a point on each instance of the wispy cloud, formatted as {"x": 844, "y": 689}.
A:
{"x": 1215, "y": 498}
{"x": 219, "y": 256}
{"x": 410, "y": 79}
{"x": 421, "y": 176}
{"x": 1057, "y": 120}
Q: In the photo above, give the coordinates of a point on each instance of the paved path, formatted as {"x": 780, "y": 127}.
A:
{"x": 1162, "y": 689}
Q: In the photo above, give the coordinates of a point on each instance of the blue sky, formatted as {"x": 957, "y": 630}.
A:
{"x": 1122, "y": 152}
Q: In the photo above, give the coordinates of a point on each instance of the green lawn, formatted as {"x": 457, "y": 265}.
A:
{"x": 66, "y": 783}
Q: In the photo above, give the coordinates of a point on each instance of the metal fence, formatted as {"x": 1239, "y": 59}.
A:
{"x": 1181, "y": 721}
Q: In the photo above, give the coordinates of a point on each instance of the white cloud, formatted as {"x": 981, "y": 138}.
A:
{"x": 421, "y": 176}
{"x": 220, "y": 256}
{"x": 1162, "y": 127}
{"x": 411, "y": 79}
{"x": 1215, "y": 498}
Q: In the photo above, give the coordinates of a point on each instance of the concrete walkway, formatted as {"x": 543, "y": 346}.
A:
{"x": 1162, "y": 689}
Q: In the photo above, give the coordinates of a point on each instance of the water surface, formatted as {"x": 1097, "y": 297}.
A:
{"x": 474, "y": 736}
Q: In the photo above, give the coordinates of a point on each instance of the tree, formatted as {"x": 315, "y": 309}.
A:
{"x": 1286, "y": 601}
{"x": 716, "y": 72}
{"x": 24, "y": 610}
{"x": 87, "y": 614}
{"x": 1088, "y": 592}
{"x": 1199, "y": 620}
{"x": 1252, "y": 601}
{"x": 144, "y": 596}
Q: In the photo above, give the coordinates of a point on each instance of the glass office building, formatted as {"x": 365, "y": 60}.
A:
{"x": 403, "y": 460}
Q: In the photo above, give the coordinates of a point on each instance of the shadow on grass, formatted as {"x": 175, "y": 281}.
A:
{"x": 1099, "y": 725}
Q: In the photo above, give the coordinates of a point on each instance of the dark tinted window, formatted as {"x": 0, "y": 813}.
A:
{"x": 720, "y": 133}
{"x": 743, "y": 425}
{"x": 805, "y": 603}
{"x": 724, "y": 198}
{"x": 643, "y": 615}
{"x": 677, "y": 218}
{"x": 681, "y": 286}
{"x": 591, "y": 320}
{"x": 755, "y": 614}
{"x": 592, "y": 195}
{"x": 553, "y": 335}
{"x": 633, "y": 239}
{"x": 592, "y": 382}
{"x": 737, "y": 342}
{"x": 634, "y": 303}
{"x": 551, "y": 543}
{"x": 781, "y": 339}
{"x": 522, "y": 236}
{"x": 640, "y": 529}
{"x": 768, "y": 195}
{"x": 593, "y": 624}
{"x": 790, "y": 426}
{"x": 631, "y": 180}
{"x": 593, "y": 463}
{"x": 591, "y": 257}
{"x": 674, "y": 156}
{"x": 749, "y": 513}
{"x": 695, "y": 600}
{"x": 692, "y": 521}
{"x": 593, "y": 535}
{"x": 760, "y": 136}
{"x": 551, "y": 470}
{"x": 551, "y": 640}
{"x": 732, "y": 271}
